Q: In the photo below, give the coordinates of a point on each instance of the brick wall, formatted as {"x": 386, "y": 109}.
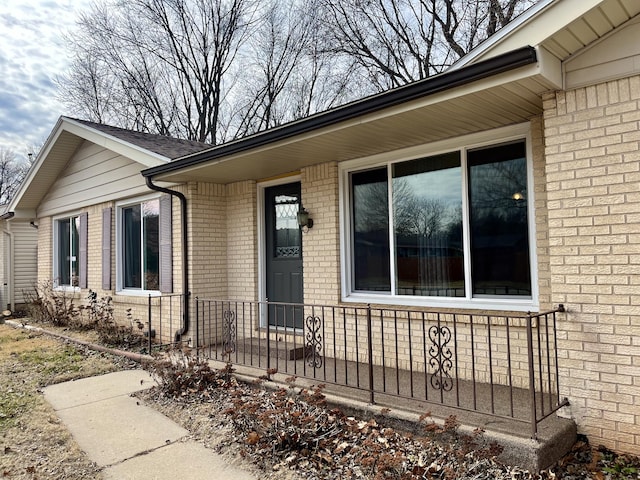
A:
{"x": 125, "y": 307}
{"x": 593, "y": 187}
{"x": 541, "y": 218}
{"x": 45, "y": 249}
{"x": 207, "y": 237}
{"x": 242, "y": 233}
{"x": 320, "y": 245}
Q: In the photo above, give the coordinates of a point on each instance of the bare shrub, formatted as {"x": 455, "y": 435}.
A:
{"x": 46, "y": 304}
{"x": 179, "y": 373}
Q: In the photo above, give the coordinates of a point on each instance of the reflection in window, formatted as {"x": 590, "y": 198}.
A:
{"x": 67, "y": 240}
{"x": 498, "y": 219}
{"x": 141, "y": 245}
{"x": 288, "y": 238}
{"x": 371, "y": 230}
{"x": 435, "y": 201}
{"x": 427, "y": 203}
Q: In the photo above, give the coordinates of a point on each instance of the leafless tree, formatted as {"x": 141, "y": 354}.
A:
{"x": 275, "y": 51}
{"x": 401, "y": 41}
{"x": 214, "y": 70}
{"x": 288, "y": 71}
{"x": 12, "y": 172}
{"x": 157, "y": 65}
{"x": 422, "y": 216}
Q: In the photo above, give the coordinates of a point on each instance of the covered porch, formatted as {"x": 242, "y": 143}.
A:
{"x": 503, "y": 368}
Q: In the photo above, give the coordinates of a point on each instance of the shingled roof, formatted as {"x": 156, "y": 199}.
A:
{"x": 166, "y": 146}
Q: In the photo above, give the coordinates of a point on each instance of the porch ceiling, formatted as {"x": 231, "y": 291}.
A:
{"x": 495, "y": 102}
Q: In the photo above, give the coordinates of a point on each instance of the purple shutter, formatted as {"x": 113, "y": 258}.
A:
{"x": 83, "y": 235}
{"x": 166, "y": 254}
{"x": 106, "y": 248}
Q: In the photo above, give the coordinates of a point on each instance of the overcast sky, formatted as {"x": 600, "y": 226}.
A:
{"x": 32, "y": 53}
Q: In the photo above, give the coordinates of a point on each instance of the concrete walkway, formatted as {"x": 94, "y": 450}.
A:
{"x": 129, "y": 439}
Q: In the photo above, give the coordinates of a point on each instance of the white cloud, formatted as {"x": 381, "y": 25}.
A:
{"x": 32, "y": 54}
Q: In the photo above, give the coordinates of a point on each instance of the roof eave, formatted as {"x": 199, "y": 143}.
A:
{"x": 64, "y": 124}
{"x": 446, "y": 81}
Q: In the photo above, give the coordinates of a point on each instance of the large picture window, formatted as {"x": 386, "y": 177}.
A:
{"x": 66, "y": 246}
{"x": 140, "y": 246}
{"x": 452, "y": 227}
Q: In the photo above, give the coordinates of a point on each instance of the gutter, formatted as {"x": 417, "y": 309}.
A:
{"x": 7, "y": 215}
{"x": 423, "y": 88}
{"x": 184, "y": 250}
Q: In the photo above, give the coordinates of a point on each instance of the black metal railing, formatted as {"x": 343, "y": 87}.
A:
{"x": 505, "y": 366}
{"x": 165, "y": 320}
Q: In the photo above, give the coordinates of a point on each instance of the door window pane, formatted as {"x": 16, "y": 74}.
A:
{"x": 288, "y": 236}
{"x": 427, "y": 202}
{"x": 498, "y": 221}
{"x": 371, "y": 230}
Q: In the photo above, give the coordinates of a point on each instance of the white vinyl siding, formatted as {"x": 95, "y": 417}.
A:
{"x": 615, "y": 56}
{"x": 94, "y": 175}
{"x": 20, "y": 242}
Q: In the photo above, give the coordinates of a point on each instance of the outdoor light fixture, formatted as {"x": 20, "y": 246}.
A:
{"x": 518, "y": 196}
{"x": 303, "y": 219}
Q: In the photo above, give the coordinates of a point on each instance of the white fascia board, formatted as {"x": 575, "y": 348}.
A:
{"x": 126, "y": 149}
{"x": 532, "y": 27}
{"x": 64, "y": 124}
{"x": 35, "y": 167}
{"x": 550, "y": 67}
{"x": 24, "y": 214}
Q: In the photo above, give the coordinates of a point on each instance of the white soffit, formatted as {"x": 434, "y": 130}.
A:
{"x": 563, "y": 27}
{"x": 616, "y": 55}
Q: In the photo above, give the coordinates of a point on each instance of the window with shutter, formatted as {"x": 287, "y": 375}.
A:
{"x": 143, "y": 232}
{"x": 66, "y": 251}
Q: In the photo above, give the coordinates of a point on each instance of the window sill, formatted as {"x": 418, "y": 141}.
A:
{"x": 139, "y": 293}
{"x": 493, "y": 304}
{"x": 66, "y": 288}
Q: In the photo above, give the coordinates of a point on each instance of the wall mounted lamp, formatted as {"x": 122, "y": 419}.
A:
{"x": 303, "y": 219}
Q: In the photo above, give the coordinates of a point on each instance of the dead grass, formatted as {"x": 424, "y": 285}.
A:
{"x": 33, "y": 442}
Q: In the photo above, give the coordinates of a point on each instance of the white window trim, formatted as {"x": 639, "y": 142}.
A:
{"x": 55, "y": 260}
{"x": 120, "y": 248}
{"x": 463, "y": 144}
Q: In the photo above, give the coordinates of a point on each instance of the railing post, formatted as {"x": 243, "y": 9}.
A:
{"x": 149, "y": 333}
{"x": 532, "y": 382}
{"x": 268, "y": 337}
{"x": 370, "y": 353}
{"x": 197, "y": 326}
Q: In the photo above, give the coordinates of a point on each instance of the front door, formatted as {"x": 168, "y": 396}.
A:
{"x": 283, "y": 254}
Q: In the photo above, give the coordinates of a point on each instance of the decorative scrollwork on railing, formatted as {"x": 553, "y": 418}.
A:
{"x": 313, "y": 342}
{"x": 440, "y": 358}
{"x": 228, "y": 331}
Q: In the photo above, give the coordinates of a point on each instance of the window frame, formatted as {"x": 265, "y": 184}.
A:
{"x": 120, "y": 289}
{"x": 56, "y": 259}
{"x": 462, "y": 144}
